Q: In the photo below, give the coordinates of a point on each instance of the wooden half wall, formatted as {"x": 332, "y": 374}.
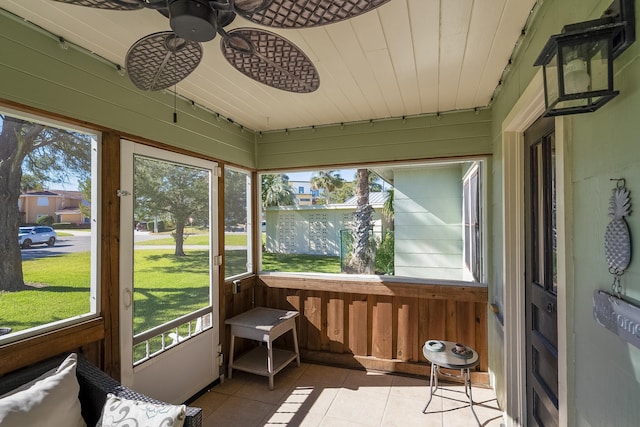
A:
{"x": 373, "y": 323}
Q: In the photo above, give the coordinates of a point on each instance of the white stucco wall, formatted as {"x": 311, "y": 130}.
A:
{"x": 313, "y": 230}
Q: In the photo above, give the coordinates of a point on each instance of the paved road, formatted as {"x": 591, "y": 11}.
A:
{"x": 81, "y": 242}
{"x": 64, "y": 245}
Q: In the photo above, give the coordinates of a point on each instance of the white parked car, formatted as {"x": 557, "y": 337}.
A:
{"x": 28, "y": 236}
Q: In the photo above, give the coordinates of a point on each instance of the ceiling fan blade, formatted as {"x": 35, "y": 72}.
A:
{"x": 247, "y": 7}
{"x": 161, "y": 60}
{"x": 270, "y": 59}
{"x": 108, "y": 4}
{"x": 308, "y": 13}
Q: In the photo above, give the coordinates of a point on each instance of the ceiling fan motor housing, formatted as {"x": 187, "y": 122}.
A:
{"x": 193, "y": 20}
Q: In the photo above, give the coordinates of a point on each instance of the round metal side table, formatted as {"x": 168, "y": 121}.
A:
{"x": 441, "y": 355}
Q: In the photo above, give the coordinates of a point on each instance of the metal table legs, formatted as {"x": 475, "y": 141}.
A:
{"x": 465, "y": 375}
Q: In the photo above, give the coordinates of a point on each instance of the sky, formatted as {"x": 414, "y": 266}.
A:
{"x": 346, "y": 174}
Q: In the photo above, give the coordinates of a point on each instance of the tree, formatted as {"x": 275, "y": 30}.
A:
{"x": 347, "y": 190}
{"x": 276, "y": 191}
{"x": 30, "y": 183}
{"x": 85, "y": 188}
{"x": 48, "y": 155}
{"x": 235, "y": 198}
{"x": 181, "y": 192}
{"x": 374, "y": 184}
{"x": 361, "y": 260}
{"x": 327, "y": 180}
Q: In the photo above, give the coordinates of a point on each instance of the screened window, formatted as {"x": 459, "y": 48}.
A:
{"x": 237, "y": 222}
{"x": 471, "y": 218}
{"x": 411, "y": 220}
{"x": 49, "y": 279}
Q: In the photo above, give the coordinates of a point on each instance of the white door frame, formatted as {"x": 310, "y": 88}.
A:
{"x": 193, "y": 365}
{"x": 524, "y": 113}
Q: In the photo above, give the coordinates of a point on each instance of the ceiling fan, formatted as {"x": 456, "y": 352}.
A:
{"x": 162, "y": 59}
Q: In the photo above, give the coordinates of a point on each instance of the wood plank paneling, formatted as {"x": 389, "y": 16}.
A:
{"x": 335, "y": 322}
{"x": 79, "y": 86}
{"x": 358, "y": 325}
{"x": 35, "y": 349}
{"x": 465, "y": 323}
{"x": 377, "y": 287}
{"x": 380, "y": 325}
{"x": 110, "y": 252}
{"x": 448, "y": 135}
{"x": 481, "y": 342}
{"x": 451, "y": 321}
{"x": 407, "y": 335}
{"x": 313, "y": 319}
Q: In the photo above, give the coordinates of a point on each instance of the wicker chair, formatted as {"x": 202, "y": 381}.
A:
{"x": 94, "y": 386}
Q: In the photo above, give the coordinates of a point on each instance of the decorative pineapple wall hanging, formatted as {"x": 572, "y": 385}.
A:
{"x": 617, "y": 239}
{"x": 611, "y": 310}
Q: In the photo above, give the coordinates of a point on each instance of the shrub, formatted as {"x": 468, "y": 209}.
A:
{"x": 45, "y": 220}
{"x": 62, "y": 225}
{"x": 385, "y": 254}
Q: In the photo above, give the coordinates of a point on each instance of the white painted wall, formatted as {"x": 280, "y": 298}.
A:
{"x": 428, "y": 222}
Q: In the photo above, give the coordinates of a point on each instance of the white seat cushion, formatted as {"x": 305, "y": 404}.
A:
{"x": 50, "y": 400}
{"x": 119, "y": 412}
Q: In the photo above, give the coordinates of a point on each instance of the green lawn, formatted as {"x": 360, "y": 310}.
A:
{"x": 231, "y": 239}
{"x": 65, "y": 295}
{"x": 300, "y": 263}
{"x": 190, "y": 240}
{"x": 166, "y": 287}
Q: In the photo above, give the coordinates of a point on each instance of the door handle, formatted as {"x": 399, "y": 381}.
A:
{"x": 549, "y": 307}
{"x": 128, "y": 297}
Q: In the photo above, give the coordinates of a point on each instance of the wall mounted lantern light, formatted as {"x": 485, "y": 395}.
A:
{"x": 578, "y": 63}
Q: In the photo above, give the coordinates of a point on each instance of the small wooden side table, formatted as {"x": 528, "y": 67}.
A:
{"x": 264, "y": 325}
{"x": 440, "y": 354}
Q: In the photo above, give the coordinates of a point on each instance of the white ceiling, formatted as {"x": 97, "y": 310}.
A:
{"x": 405, "y": 58}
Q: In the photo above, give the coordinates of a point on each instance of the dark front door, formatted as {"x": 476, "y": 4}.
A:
{"x": 541, "y": 275}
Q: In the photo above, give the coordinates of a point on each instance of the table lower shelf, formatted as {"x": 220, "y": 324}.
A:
{"x": 255, "y": 361}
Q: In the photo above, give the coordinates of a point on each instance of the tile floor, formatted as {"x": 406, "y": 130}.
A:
{"x": 317, "y": 395}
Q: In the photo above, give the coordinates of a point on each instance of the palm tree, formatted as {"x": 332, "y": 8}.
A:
{"x": 387, "y": 209}
{"x": 327, "y": 180}
{"x": 362, "y": 256}
{"x": 374, "y": 182}
{"x": 276, "y": 191}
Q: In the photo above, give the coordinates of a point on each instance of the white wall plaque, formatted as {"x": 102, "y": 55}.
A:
{"x": 618, "y": 316}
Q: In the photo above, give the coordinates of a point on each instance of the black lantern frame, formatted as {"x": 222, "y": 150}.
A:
{"x": 578, "y": 63}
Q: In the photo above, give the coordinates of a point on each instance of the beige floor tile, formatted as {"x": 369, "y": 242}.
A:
{"x": 313, "y": 399}
{"x": 231, "y": 386}
{"x": 457, "y": 412}
{"x": 209, "y": 402}
{"x": 293, "y": 371}
{"x": 435, "y": 406}
{"x": 368, "y": 381}
{"x": 337, "y": 422}
{"x": 413, "y": 388}
{"x": 402, "y": 411}
{"x": 310, "y": 419}
{"x": 364, "y": 407}
{"x": 238, "y": 412}
{"x": 261, "y": 393}
{"x": 294, "y": 410}
{"x": 316, "y": 395}
{"x": 321, "y": 374}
